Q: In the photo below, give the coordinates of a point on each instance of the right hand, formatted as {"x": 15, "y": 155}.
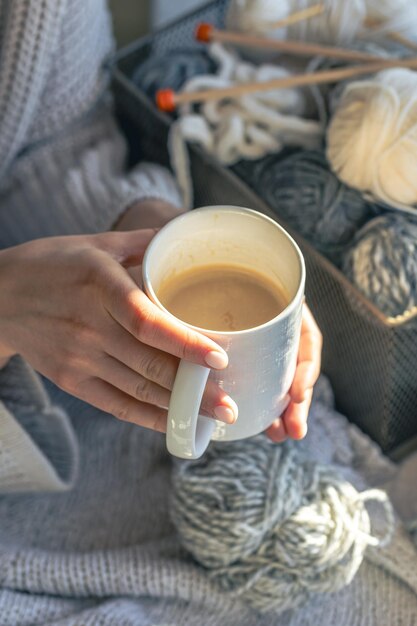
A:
{"x": 69, "y": 307}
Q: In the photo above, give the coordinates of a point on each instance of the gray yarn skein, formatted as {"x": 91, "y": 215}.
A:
{"x": 270, "y": 526}
{"x": 382, "y": 263}
{"x": 171, "y": 70}
{"x": 305, "y": 193}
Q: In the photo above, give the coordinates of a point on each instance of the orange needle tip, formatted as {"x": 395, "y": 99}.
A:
{"x": 204, "y": 32}
{"x": 165, "y": 100}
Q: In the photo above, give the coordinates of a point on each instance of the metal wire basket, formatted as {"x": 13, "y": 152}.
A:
{"x": 370, "y": 359}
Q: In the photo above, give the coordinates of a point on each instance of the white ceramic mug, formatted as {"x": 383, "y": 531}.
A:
{"x": 262, "y": 360}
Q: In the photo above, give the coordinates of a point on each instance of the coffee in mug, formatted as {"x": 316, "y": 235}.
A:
{"x": 223, "y": 297}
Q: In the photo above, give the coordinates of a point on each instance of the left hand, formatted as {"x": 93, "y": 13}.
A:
{"x": 293, "y": 422}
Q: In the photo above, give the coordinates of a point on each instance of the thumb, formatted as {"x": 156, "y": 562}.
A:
{"x": 127, "y": 248}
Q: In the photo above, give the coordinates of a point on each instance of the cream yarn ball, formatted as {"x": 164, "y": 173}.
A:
{"x": 256, "y": 16}
{"x": 398, "y": 15}
{"x": 372, "y": 137}
{"x": 340, "y": 22}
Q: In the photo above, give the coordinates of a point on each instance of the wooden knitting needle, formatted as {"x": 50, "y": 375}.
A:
{"x": 412, "y": 45}
{"x": 404, "y": 41}
{"x": 394, "y": 36}
{"x": 298, "y": 16}
{"x": 207, "y": 33}
{"x": 168, "y": 99}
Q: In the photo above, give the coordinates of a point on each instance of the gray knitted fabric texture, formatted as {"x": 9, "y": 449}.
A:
{"x": 101, "y": 550}
{"x": 62, "y": 158}
{"x": 106, "y": 553}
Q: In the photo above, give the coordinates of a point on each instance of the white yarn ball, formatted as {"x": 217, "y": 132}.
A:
{"x": 256, "y": 16}
{"x": 339, "y": 22}
{"x": 398, "y": 15}
{"x": 372, "y": 137}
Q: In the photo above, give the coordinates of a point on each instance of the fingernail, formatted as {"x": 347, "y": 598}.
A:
{"x": 217, "y": 360}
{"x": 225, "y": 414}
{"x": 302, "y": 432}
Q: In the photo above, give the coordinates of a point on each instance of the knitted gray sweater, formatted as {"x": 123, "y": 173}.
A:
{"x": 62, "y": 171}
{"x": 85, "y": 535}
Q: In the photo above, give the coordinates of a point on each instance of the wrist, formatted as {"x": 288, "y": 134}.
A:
{"x": 149, "y": 213}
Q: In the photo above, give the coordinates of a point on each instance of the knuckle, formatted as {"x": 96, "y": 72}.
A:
{"x": 83, "y": 336}
{"x": 143, "y": 322}
{"x": 63, "y": 377}
{"x": 90, "y": 260}
{"x": 189, "y": 345}
{"x": 142, "y": 390}
{"x": 156, "y": 369}
{"x": 68, "y": 373}
{"x": 122, "y": 412}
{"x": 160, "y": 423}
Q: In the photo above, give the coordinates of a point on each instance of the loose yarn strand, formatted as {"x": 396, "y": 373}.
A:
{"x": 377, "y": 495}
{"x": 247, "y": 128}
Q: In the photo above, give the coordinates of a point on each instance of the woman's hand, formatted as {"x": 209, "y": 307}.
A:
{"x": 70, "y": 308}
{"x": 293, "y": 422}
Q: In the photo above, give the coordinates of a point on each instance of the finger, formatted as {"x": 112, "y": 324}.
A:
{"x": 217, "y": 403}
{"x": 127, "y": 248}
{"x": 161, "y": 368}
{"x": 277, "y": 432}
{"x": 155, "y": 365}
{"x": 136, "y": 274}
{"x": 133, "y": 310}
{"x": 132, "y": 383}
{"x": 309, "y": 358}
{"x": 104, "y": 396}
{"x": 309, "y": 324}
{"x": 305, "y": 378}
{"x": 295, "y": 417}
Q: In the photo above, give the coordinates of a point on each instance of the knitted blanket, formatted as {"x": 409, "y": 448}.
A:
{"x": 106, "y": 553}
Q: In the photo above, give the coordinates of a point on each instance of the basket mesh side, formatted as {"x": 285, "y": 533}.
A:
{"x": 372, "y": 365}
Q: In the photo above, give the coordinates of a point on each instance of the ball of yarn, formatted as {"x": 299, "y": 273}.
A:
{"x": 303, "y": 191}
{"x": 171, "y": 70}
{"x": 372, "y": 137}
{"x": 394, "y": 15}
{"x": 339, "y": 23}
{"x": 269, "y": 526}
{"x": 382, "y": 263}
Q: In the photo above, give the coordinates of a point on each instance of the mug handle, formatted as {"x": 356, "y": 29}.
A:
{"x": 188, "y": 433}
